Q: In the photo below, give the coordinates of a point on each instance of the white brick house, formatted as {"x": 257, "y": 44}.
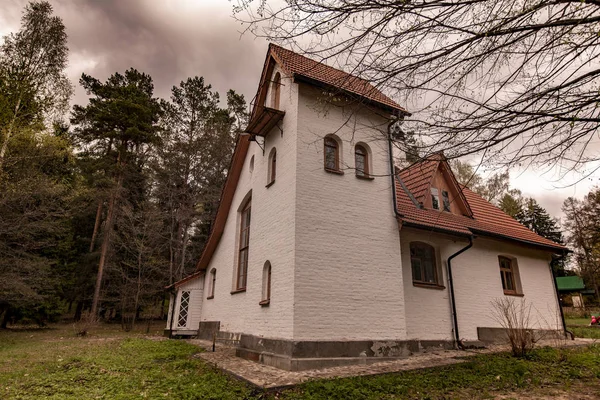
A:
{"x": 322, "y": 253}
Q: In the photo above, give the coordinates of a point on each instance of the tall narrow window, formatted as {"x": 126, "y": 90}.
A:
{"x": 361, "y": 161}
{"x": 275, "y": 91}
{"x": 422, "y": 261}
{"x": 272, "y": 166}
{"x": 184, "y": 306}
{"x": 211, "y": 283}
{"x": 446, "y": 200}
{"x": 332, "y": 156}
{"x": 242, "y": 271}
{"x": 507, "y": 274}
{"x": 435, "y": 199}
{"x": 266, "y": 289}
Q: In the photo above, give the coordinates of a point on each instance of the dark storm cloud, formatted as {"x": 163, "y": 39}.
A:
{"x": 170, "y": 40}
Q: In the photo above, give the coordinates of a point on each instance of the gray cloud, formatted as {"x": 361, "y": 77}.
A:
{"x": 168, "y": 40}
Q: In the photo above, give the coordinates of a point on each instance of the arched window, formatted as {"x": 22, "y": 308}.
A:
{"x": 332, "y": 154}
{"x": 211, "y": 283}
{"x": 275, "y": 91}
{"x": 361, "y": 161}
{"x": 266, "y": 288}
{"x": 423, "y": 264}
{"x": 243, "y": 251}
{"x": 272, "y": 167}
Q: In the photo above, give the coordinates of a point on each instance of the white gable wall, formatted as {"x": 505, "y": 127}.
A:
{"x": 477, "y": 283}
{"x": 272, "y": 235}
{"x": 348, "y": 279}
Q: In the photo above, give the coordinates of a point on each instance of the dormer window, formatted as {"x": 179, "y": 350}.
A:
{"x": 446, "y": 200}
{"x": 435, "y": 199}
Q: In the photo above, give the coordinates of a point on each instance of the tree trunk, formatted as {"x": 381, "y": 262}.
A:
{"x": 7, "y": 315}
{"x": 11, "y": 126}
{"x": 106, "y": 239}
{"x": 96, "y": 225}
{"x": 78, "y": 311}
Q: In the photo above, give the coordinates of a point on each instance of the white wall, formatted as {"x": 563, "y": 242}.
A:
{"x": 272, "y": 233}
{"x": 476, "y": 284}
{"x": 348, "y": 282}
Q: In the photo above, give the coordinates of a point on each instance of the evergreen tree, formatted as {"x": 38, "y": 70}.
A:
{"x": 120, "y": 119}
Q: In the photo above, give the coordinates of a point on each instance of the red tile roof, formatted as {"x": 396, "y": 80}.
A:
{"x": 487, "y": 218}
{"x": 294, "y": 63}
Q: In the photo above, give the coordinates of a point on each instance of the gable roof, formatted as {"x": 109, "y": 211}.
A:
{"x": 486, "y": 219}
{"x": 301, "y": 66}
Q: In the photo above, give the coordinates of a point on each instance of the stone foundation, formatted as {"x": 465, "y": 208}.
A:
{"x": 302, "y": 355}
{"x": 500, "y": 335}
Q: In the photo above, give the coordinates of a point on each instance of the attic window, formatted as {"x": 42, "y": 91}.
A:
{"x": 435, "y": 199}
{"x": 446, "y": 200}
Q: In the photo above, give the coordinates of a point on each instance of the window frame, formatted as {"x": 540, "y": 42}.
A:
{"x": 211, "y": 284}
{"x": 435, "y": 198}
{"x": 243, "y": 247}
{"x": 434, "y": 264}
{"x": 188, "y": 299}
{"x": 446, "y": 201}
{"x": 365, "y": 173}
{"x": 272, "y": 169}
{"x": 332, "y": 143}
{"x": 514, "y": 279}
{"x": 276, "y": 91}
{"x": 266, "y": 289}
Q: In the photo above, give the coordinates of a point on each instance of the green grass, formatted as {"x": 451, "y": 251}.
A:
{"x": 585, "y": 332}
{"x": 484, "y": 376}
{"x": 578, "y": 321}
{"x": 57, "y": 365}
{"x": 109, "y": 364}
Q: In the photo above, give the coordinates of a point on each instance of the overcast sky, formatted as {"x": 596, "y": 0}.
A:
{"x": 175, "y": 39}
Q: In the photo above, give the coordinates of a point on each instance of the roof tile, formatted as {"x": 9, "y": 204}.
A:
{"x": 295, "y": 63}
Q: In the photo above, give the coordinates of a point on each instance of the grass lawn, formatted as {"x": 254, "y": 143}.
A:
{"x": 109, "y": 364}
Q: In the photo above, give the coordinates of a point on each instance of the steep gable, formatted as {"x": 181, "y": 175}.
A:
{"x": 485, "y": 219}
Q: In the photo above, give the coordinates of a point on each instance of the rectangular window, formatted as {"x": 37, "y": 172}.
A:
{"x": 242, "y": 272}
{"x": 446, "y": 200}
{"x": 435, "y": 199}
{"x": 184, "y": 306}
{"x": 507, "y": 275}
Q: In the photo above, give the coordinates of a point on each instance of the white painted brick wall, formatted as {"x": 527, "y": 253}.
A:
{"x": 272, "y": 235}
{"x": 348, "y": 280}
{"x": 477, "y": 283}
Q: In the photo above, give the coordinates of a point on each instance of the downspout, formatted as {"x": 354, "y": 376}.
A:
{"x": 458, "y": 344}
{"x": 562, "y": 315}
{"x": 393, "y": 171}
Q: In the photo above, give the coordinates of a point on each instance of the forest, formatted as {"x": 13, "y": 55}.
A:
{"x": 105, "y": 204}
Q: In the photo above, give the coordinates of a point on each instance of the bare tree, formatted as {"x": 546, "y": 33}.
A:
{"x": 514, "y": 79}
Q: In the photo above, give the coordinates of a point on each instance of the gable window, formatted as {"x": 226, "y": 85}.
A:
{"x": 422, "y": 261}
{"x": 272, "y": 167}
{"x": 242, "y": 269}
{"x": 275, "y": 91}
{"x": 361, "y": 161}
{"x": 332, "y": 155}
{"x": 211, "y": 283}
{"x": 184, "y": 305}
{"x": 446, "y": 200}
{"x": 508, "y": 274}
{"x": 435, "y": 199}
{"x": 266, "y": 288}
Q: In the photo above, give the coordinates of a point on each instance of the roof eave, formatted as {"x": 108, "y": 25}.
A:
{"x": 558, "y": 249}
{"x": 385, "y": 107}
